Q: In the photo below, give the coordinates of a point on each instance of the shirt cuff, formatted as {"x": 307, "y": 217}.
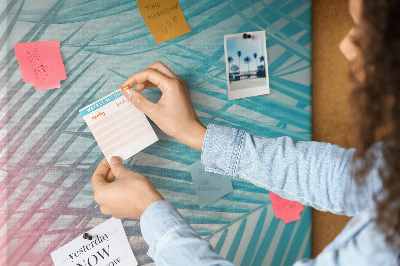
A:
{"x": 157, "y": 220}
{"x": 221, "y": 149}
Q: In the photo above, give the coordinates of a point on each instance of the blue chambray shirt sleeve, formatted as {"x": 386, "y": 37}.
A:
{"x": 172, "y": 241}
{"x": 312, "y": 173}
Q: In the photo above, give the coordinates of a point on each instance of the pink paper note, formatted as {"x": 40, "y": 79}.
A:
{"x": 41, "y": 63}
{"x": 287, "y": 210}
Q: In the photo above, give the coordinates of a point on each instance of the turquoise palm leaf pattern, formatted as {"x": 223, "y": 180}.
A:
{"x": 47, "y": 153}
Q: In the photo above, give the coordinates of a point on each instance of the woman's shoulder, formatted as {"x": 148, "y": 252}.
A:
{"x": 362, "y": 240}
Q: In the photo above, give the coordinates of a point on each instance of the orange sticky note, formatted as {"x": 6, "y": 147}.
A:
{"x": 41, "y": 63}
{"x": 284, "y": 209}
{"x": 164, "y": 18}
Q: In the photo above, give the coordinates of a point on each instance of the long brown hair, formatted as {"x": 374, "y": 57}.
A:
{"x": 376, "y": 106}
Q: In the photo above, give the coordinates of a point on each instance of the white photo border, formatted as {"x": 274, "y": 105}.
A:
{"x": 247, "y": 92}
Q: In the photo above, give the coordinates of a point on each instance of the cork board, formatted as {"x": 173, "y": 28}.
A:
{"x": 331, "y": 89}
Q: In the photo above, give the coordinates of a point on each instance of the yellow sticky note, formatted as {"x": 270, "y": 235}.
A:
{"x": 164, "y": 18}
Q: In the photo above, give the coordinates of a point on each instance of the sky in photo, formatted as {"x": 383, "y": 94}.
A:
{"x": 248, "y": 47}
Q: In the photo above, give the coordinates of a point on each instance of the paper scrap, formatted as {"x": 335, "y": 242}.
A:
{"x": 109, "y": 246}
{"x": 284, "y": 209}
{"x": 118, "y": 126}
{"x": 209, "y": 186}
{"x": 164, "y": 18}
{"x": 41, "y": 63}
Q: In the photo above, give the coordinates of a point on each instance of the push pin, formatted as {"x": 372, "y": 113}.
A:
{"x": 246, "y": 36}
{"x": 87, "y": 236}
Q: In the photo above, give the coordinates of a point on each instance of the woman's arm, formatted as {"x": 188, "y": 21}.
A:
{"x": 312, "y": 173}
{"x": 315, "y": 174}
{"x": 172, "y": 241}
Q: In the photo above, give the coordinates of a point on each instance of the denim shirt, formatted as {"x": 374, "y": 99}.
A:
{"x": 312, "y": 173}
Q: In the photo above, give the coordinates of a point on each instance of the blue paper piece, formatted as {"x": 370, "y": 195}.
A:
{"x": 209, "y": 186}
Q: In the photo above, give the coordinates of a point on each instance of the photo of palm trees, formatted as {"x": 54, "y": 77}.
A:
{"x": 246, "y": 64}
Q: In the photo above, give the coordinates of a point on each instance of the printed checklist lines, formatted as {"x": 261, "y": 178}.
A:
{"x": 119, "y": 128}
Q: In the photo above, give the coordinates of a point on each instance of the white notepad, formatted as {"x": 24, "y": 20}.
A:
{"x": 118, "y": 126}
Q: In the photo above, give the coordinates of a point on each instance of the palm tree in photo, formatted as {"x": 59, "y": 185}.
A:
{"x": 239, "y": 54}
{"x": 247, "y": 60}
{"x": 255, "y": 57}
{"x": 262, "y": 59}
{"x": 234, "y": 68}
{"x": 230, "y": 60}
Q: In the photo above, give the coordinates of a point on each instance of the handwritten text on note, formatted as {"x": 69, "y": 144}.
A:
{"x": 209, "y": 186}
{"x": 287, "y": 210}
{"x": 41, "y": 63}
{"x": 164, "y": 18}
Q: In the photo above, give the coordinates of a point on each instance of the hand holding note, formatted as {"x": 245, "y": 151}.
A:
{"x": 174, "y": 113}
{"x": 127, "y": 197}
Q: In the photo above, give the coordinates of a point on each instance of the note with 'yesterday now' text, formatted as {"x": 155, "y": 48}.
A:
{"x": 108, "y": 246}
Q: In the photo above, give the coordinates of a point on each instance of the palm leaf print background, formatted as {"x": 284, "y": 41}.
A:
{"x": 48, "y": 153}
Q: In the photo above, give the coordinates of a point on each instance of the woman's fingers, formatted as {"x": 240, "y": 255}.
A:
{"x": 141, "y": 102}
{"x": 100, "y": 174}
{"x": 143, "y": 86}
{"x": 174, "y": 112}
{"x": 145, "y": 79}
{"x": 160, "y": 67}
{"x": 110, "y": 177}
{"x": 157, "y": 78}
{"x": 99, "y": 178}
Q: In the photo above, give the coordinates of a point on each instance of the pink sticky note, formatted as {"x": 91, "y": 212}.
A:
{"x": 41, "y": 63}
{"x": 287, "y": 210}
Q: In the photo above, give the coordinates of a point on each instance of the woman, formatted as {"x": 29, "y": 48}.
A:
{"x": 363, "y": 183}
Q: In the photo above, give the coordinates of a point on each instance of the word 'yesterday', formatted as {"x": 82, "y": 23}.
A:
{"x": 87, "y": 247}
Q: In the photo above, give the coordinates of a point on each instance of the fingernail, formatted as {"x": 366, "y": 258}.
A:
{"x": 115, "y": 160}
{"x": 129, "y": 93}
{"x": 125, "y": 88}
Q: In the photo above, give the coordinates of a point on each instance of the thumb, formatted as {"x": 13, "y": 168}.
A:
{"x": 138, "y": 100}
{"x": 116, "y": 166}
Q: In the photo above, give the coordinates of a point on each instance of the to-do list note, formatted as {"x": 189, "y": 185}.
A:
{"x": 118, "y": 126}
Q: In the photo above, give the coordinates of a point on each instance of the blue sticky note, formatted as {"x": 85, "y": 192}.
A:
{"x": 209, "y": 186}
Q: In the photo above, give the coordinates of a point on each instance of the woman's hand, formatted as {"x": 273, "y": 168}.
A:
{"x": 127, "y": 197}
{"x": 173, "y": 113}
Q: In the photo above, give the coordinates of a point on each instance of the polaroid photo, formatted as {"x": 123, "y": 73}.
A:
{"x": 246, "y": 64}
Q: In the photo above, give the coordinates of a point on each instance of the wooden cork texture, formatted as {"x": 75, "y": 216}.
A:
{"x": 331, "y": 89}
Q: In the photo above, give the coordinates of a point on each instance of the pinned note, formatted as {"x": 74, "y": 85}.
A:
{"x": 164, "y": 18}
{"x": 41, "y": 63}
{"x": 209, "y": 186}
{"x": 118, "y": 126}
{"x": 107, "y": 245}
{"x": 284, "y": 209}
